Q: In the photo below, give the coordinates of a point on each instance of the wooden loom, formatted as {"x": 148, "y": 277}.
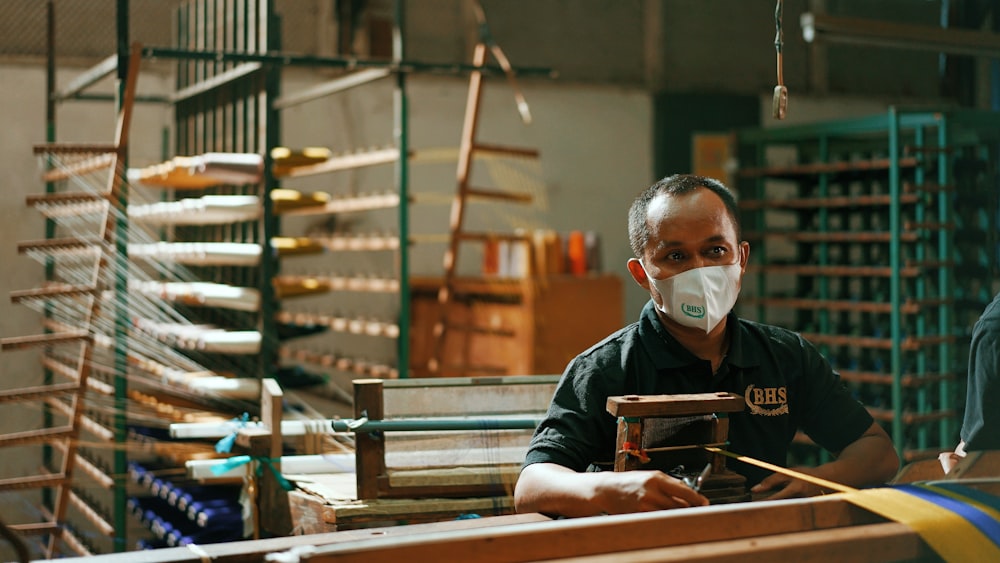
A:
{"x": 408, "y": 465}
{"x": 693, "y": 422}
{"x": 818, "y": 529}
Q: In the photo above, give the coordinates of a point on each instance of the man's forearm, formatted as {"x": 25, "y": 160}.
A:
{"x": 869, "y": 460}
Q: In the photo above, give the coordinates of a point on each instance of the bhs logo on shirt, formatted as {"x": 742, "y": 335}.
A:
{"x": 767, "y": 401}
{"x": 693, "y": 311}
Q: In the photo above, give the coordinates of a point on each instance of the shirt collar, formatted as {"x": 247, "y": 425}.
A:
{"x": 652, "y": 332}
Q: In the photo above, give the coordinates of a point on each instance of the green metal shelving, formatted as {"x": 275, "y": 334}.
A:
{"x": 876, "y": 238}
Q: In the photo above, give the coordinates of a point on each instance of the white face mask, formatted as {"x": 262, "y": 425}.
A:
{"x": 700, "y": 297}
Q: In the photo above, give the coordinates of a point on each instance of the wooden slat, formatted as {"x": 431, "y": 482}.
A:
{"x": 74, "y": 543}
{"x": 813, "y": 169}
{"x": 829, "y": 304}
{"x": 96, "y": 520}
{"x": 674, "y": 405}
{"x": 85, "y": 166}
{"x": 50, "y": 292}
{"x": 910, "y": 271}
{"x": 18, "y": 342}
{"x": 341, "y": 162}
{"x": 833, "y": 236}
{"x": 346, "y": 205}
{"x": 60, "y": 367}
{"x": 908, "y": 418}
{"x": 74, "y": 148}
{"x": 35, "y": 436}
{"x": 906, "y": 380}
{"x": 483, "y": 237}
{"x": 828, "y": 202}
{"x": 36, "y": 393}
{"x": 473, "y": 369}
{"x": 86, "y": 423}
{"x": 64, "y": 198}
{"x": 35, "y": 528}
{"x": 908, "y": 343}
{"x": 505, "y": 150}
{"x": 614, "y": 535}
{"x": 245, "y": 551}
{"x": 500, "y": 195}
{"x": 874, "y": 543}
{"x": 33, "y": 482}
{"x": 480, "y": 329}
{"x": 55, "y": 243}
{"x": 84, "y": 465}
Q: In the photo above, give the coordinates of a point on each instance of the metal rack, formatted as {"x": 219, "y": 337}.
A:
{"x": 227, "y": 102}
{"x": 876, "y": 238}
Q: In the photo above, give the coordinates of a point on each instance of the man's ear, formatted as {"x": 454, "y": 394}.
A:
{"x": 638, "y": 273}
{"x": 744, "y": 256}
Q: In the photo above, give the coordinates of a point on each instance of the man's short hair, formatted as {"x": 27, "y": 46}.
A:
{"x": 677, "y": 184}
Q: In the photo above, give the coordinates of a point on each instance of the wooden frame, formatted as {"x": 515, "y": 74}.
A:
{"x": 434, "y": 398}
{"x": 818, "y": 529}
{"x": 633, "y": 411}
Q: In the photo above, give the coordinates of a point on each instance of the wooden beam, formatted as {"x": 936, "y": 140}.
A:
{"x": 617, "y": 535}
{"x": 370, "y": 449}
{"x": 674, "y": 405}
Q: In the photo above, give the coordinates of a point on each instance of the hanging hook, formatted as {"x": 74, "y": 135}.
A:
{"x": 779, "y": 104}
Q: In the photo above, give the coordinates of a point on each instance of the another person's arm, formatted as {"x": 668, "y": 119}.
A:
{"x": 553, "y": 489}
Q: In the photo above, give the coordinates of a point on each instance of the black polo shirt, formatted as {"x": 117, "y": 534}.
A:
{"x": 787, "y": 383}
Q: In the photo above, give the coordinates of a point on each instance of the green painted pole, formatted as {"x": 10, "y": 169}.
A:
{"x": 121, "y": 320}
{"x": 898, "y": 436}
{"x": 402, "y": 133}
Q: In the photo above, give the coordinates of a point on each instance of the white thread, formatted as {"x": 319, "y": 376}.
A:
{"x": 293, "y": 555}
{"x": 201, "y": 553}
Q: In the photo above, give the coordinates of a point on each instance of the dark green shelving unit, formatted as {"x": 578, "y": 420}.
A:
{"x": 877, "y": 239}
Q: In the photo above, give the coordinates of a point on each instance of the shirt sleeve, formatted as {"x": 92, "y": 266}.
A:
{"x": 981, "y": 426}
{"x": 577, "y": 430}
{"x": 828, "y": 413}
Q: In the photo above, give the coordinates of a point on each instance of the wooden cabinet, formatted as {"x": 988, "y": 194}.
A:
{"x": 516, "y": 326}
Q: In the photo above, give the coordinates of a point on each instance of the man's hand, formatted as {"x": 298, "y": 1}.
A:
{"x": 643, "y": 491}
{"x": 787, "y": 487}
{"x": 553, "y": 489}
{"x": 869, "y": 460}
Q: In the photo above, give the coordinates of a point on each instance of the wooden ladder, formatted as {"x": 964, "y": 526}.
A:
{"x": 458, "y": 234}
{"x": 75, "y": 292}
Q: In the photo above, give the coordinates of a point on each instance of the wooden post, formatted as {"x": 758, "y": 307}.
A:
{"x": 369, "y": 446}
{"x": 273, "y": 511}
{"x": 629, "y": 431}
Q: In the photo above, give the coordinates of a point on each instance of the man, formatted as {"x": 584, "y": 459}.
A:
{"x": 685, "y": 235}
{"x": 981, "y": 425}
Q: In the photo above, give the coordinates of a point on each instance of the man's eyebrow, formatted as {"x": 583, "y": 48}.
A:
{"x": 679, "y": 243}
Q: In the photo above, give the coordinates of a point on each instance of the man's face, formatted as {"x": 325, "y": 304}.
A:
{"x": 689, "y": 231}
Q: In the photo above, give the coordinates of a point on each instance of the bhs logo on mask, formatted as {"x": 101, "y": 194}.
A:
{"x": 693, "y": 311}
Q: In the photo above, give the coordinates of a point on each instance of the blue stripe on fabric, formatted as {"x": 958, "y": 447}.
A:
{"x": 982, "y": 521}
{"x": 981, "y": 497}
